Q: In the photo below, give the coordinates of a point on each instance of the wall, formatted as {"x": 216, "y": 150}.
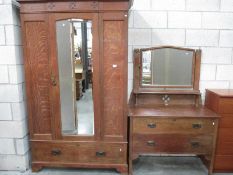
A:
{"x": 204, "y": 24}
{"x": 13, "y": 125}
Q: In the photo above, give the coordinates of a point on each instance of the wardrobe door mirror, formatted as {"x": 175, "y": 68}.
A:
{"x": 167, "y": 67}
{"x": 74, "y": 54}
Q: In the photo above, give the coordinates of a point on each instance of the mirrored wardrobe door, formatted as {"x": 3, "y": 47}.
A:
{"x": 75, "y": 75}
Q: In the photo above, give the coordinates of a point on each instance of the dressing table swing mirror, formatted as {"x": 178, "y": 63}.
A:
{"x": 165, "y": 111}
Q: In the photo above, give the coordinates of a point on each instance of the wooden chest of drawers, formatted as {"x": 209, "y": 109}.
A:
{"x": 221, "y": 101}
{"x": 161, "y": 131}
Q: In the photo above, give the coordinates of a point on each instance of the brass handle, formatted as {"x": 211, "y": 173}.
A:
{"x": 53, "y": 80}
{"x": 151, "y": 143}
{"x": 151, "y": 125}
{"x": 197, "y": 126}
{"x": 195, "y": 144}
{"x": 100, "y": 153}
{"x": 56, "y": 152}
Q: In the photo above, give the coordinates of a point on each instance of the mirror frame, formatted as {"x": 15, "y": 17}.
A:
{"x": 139, "y": 88}
{"x": 55, "y": 90}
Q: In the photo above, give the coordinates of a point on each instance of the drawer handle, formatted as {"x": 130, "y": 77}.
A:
{"x": 196, "y": 126}
{"x": 151, "y": 125}
{"x": 100, "y": 153}
{"x": 151, "y": 143}
{"x": 56, "y": 152}
{"x": 195, "y": 144}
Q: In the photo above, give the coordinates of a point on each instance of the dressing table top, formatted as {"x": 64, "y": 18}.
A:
{"x": 171, "y": 111}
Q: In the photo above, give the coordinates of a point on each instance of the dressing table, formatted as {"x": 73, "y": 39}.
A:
{"x": 165, "y": 112}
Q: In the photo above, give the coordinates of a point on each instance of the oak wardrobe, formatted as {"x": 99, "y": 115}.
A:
{"x": 75, "y": 56}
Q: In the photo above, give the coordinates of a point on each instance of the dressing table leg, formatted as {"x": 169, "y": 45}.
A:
{"x": 210, "y": 171}
{"x": 130, "y": 167}
{"x": 130, "y": 147}
{"x": 211, "y": 165}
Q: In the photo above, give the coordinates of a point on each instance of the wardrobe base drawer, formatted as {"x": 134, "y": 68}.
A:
{"x": 170, "y": 143}
{"x": 79, "y": 152}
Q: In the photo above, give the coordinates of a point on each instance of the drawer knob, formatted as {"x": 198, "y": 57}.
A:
{"x": 151, "y": 125}
{"x": 195, "y": 144}
{"x": 100, "y": 153}
{"x": 56, "y": 152}
{"x": 151, "y": 143}
{"x": 197, "y": 126}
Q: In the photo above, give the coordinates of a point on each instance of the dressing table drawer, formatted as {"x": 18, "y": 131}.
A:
{"x": 172, "y": 143}
{"x": 79, "y": 152}
{"x": 173, "y": 125}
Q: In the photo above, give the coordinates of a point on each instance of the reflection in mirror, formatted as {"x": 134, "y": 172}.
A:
{"x": 74, "y": 50}
{"x": 167, "y": 67}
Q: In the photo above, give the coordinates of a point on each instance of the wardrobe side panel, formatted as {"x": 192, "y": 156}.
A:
{"x": 114, "y": 75}
{"x": 37, "y": 73}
